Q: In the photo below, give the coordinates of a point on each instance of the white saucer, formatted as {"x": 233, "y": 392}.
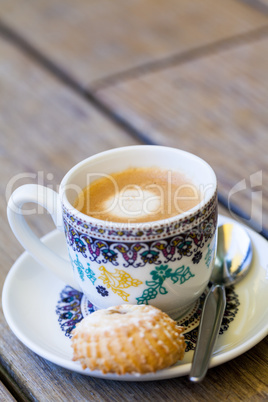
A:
{"x": 31, "y": 293}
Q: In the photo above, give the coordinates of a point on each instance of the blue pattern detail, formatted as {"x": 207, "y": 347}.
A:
{"x": 82, "y": 271}
{"x": 209, "y": 255}
{"x": 90, "y": 274}
{"x": 80, "y": 268}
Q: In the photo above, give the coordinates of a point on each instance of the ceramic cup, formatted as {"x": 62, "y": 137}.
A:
{"x": 166, "y": 263}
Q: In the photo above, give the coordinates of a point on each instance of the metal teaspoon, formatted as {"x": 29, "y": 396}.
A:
{"x": 234, "y": 255}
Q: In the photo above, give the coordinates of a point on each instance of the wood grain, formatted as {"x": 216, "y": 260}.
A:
{"x": 241, "y": 379}
{"x": 45, "y": 128}
{"x": 5, "y": 394}
{"x": 95, "y": 39}
{"x": 215, "y": 107}
{"x": 42, "y": 117}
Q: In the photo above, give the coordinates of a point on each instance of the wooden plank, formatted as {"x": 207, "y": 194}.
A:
{"x": 215, "y": 107}
{"x": 44, "y": 130}
{"x": 240, "y": 379}
{"x": 94, "y": 39}
{"x": 47, "y": 128}
{"x": 5, "y": 395}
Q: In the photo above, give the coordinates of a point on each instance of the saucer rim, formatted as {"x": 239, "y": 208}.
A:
{"x": 171, "y": 372}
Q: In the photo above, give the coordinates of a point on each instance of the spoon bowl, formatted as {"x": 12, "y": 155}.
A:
{"x": 232, "y": 263}
{"x": 234, "y": 255}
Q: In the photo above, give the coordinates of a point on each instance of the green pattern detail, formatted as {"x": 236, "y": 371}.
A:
{"x": 159, "y": 275}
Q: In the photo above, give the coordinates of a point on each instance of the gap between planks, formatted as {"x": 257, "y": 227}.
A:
{"x": 89, "y": 95}
{"x": 13, "y": 385}
{"x": 256, "y": 5}
{"x": 181, "y": 58}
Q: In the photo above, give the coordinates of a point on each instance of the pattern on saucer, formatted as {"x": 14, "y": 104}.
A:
{"x": 191, "y": 321}
{"x": 73, "y": 306}
{"x": 70, "y": 309}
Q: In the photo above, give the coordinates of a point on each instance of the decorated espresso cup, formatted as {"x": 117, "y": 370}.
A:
{"x": 165, "y": 262}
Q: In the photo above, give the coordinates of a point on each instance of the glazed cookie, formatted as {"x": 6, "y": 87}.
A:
{"x": 128, "y": 339}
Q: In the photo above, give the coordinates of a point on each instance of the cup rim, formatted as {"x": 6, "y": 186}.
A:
{"x": 133, "y": 225}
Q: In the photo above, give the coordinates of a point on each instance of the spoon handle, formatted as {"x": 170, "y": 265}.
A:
{"x": 209, "y": 327}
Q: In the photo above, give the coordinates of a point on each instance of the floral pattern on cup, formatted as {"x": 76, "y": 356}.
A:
{"x": 139, "y": 253}
{"x": 117, "y": 281}
{"x": 102, "y": 291}
{"x": 82, "y": 272}
{"x": 159, "y": 276}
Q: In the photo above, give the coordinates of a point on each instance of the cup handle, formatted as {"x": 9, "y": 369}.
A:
{"x": 50, "y": 200}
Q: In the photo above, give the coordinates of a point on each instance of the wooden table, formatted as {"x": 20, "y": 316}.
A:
{"x": 78, "y": 77}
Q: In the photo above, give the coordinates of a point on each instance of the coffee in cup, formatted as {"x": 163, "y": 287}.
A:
{"x": 138, "y": 194}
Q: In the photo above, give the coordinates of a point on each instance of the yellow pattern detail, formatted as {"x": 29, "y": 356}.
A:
{"x": 117, "y": 281}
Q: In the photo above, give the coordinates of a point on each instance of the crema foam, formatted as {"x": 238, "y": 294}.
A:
{"x": 138, "y": 195}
